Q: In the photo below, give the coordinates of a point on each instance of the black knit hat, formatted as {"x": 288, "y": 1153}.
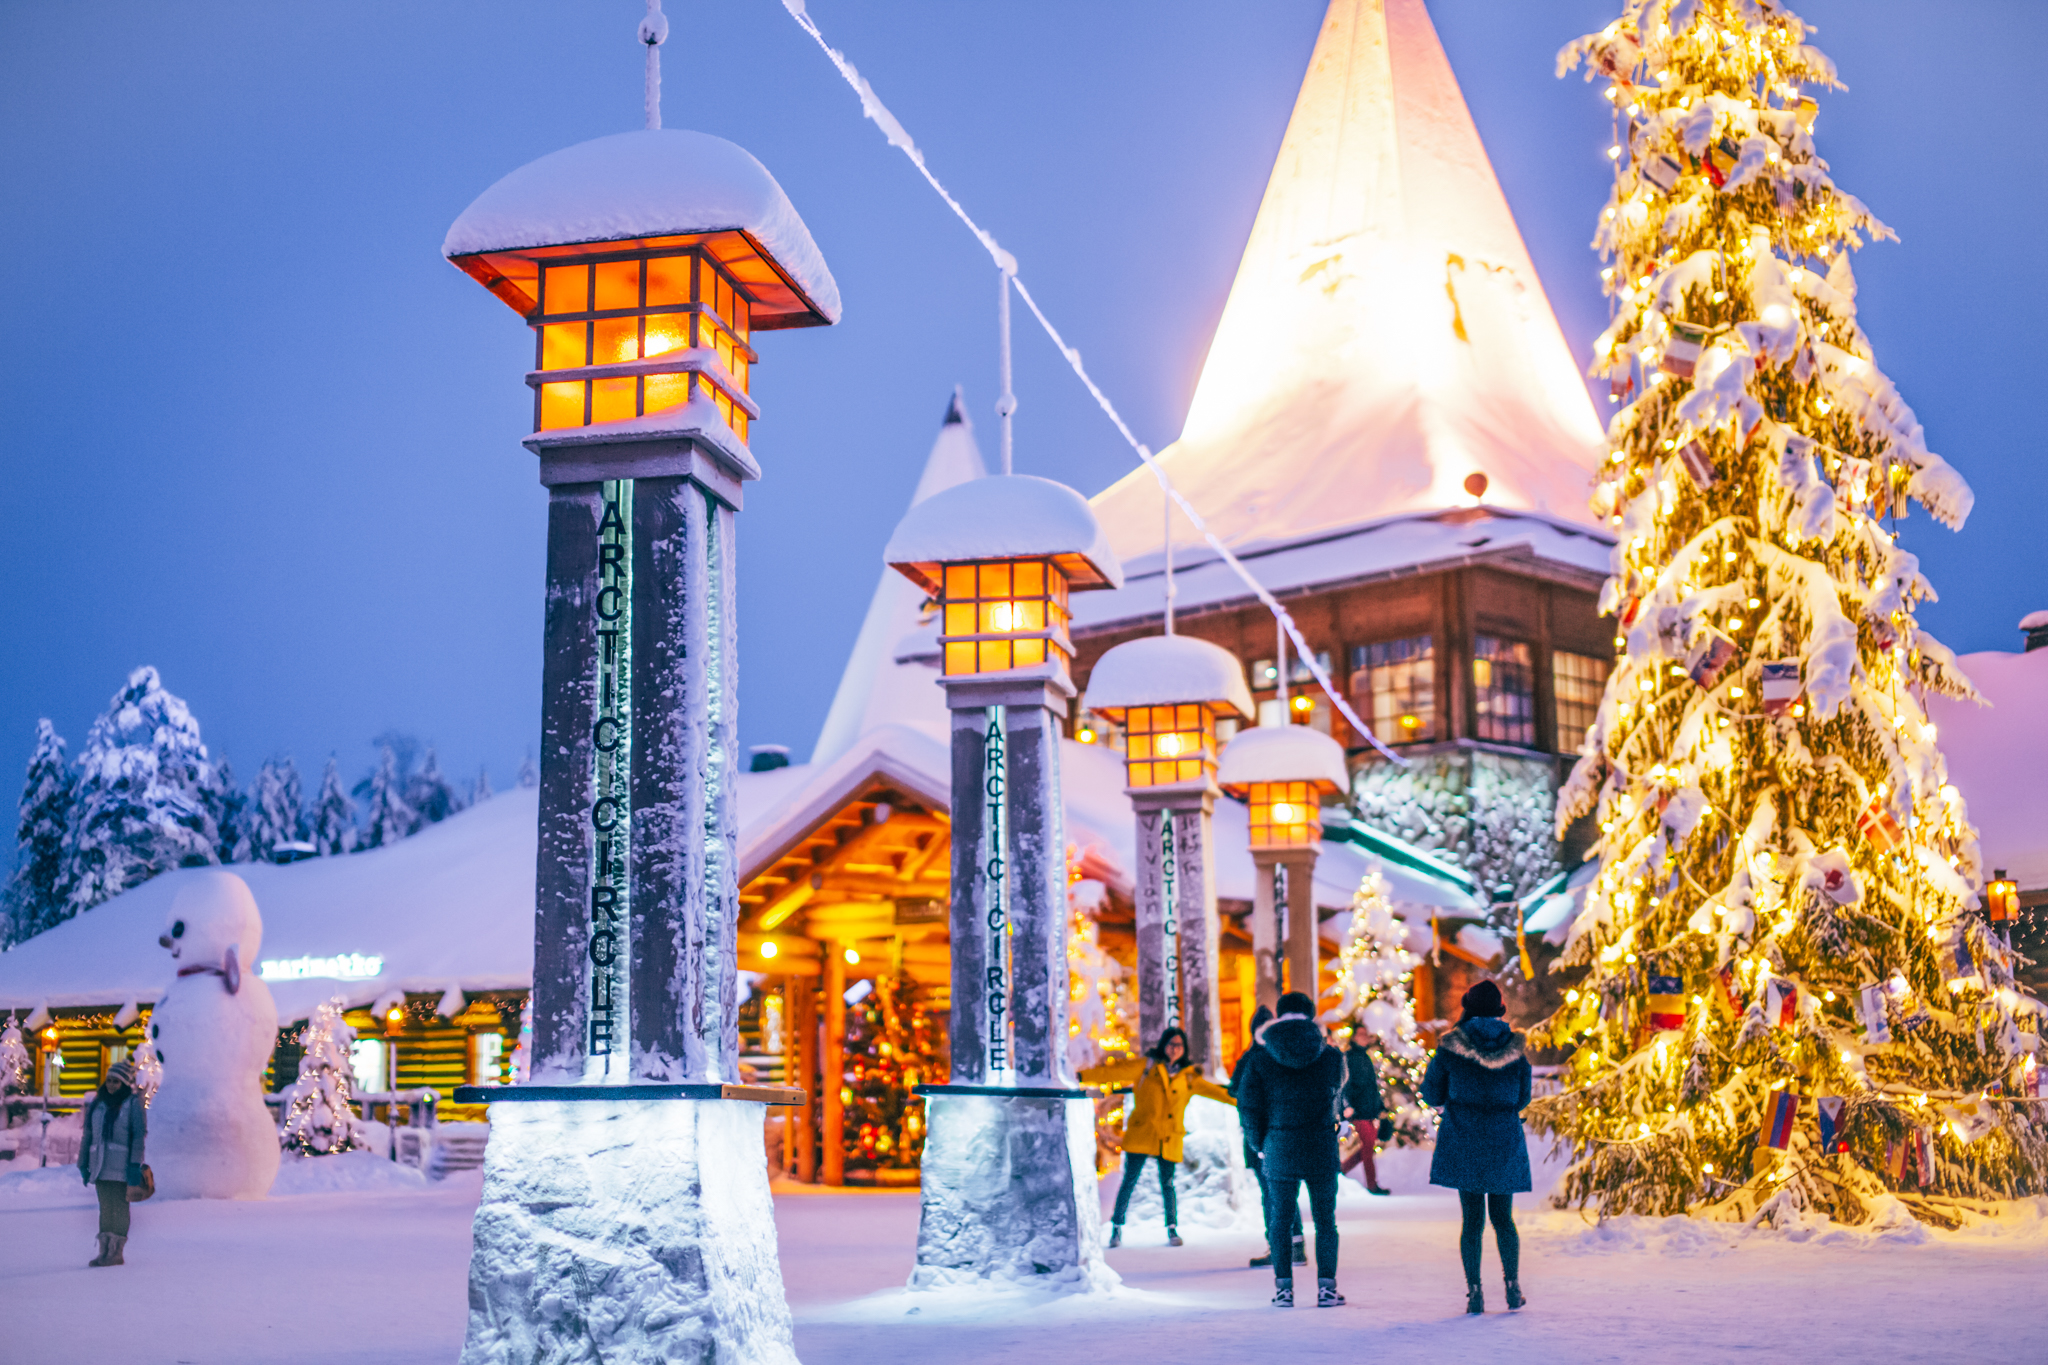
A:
{"x": 1483, "y": 1002}
{"x": 1294, "y": 1002}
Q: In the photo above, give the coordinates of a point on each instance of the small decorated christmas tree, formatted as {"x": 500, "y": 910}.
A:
{"x": 317, "y": 1119}
{"x": 1793, "y": 1001}
{"x": 892, "y": 1044}
{"x": 1373, "y": 970}
{"x": 15, "y": 1062}
{"x": 1102, "y": 1010}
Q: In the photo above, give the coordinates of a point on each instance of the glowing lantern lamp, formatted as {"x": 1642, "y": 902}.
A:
{"x": 2003, "y": 895}
{"x": 1003, "y": 1189}
{"x": 1282, "y": 773}
{"x": 1168, "y": 692}
{"x": 645, "y": 263}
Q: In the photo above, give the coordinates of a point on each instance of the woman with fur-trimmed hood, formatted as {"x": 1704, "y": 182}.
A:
{"x": 1478, "y": 1081}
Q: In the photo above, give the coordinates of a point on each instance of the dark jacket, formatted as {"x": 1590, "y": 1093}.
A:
{"x": 111, "y": 1144}
{"x": 1287, "y": 1099}
{"x": 1478, "y": 1078}
{"x": 1362, "y": 1088}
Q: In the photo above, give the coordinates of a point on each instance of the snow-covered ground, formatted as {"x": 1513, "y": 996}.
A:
{"x": 349, "y": 1263}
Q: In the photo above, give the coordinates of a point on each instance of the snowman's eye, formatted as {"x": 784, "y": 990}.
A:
{"x": 154, "y": 1032}
{"x": 178, "y": 929}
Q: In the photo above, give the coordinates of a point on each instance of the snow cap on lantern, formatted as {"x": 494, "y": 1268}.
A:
{"x": 1168, "y": 692}
{"x": 645, "y": 262}
{"x": 1282, "y": 772}
{"x": 1001, "y": 554}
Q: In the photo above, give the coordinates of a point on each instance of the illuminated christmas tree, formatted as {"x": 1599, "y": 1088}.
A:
{"x": 1373, "y": 972}
{"x": 1102, "y": 1009}
{"x": 892, "y": 1044}
{"x": 1793, "y": 998}
{"x": 317, "y": 1118}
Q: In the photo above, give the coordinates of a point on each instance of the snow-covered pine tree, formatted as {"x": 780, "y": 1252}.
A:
{"x": 1102, "y": 1007}
{"x": 16, "y": 1066}
{"x": 229, "y": 806}
{"x": 149, "y": 1068}
{"x": 32, "y": 903}
{"x": 430, "y": 795}
{"x": 331, "y": 828}
{"x": 1790, "y": 985}
{"x": 386, "y": 816}
{"x": 317, "y": 1118}
{"x": 1372, "y": 972}
{"x": 145, "y": 797}
{"x": 274, "y": 815}
{"x": 529, "y": 776}
{"x": 481, "y": 792}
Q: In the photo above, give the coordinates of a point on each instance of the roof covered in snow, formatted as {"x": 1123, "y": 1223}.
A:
{"x": 1161, "y": 670}
{"x": 1004, "y": 516}
{"x": 1386, "y": 335}
{"x": 1417, "y": 543}
{"x": 878, "y": 687}
{"x": 1997, "y": 755}
{"x": 649, "y": 184}
{"x": 1282, "y": 753}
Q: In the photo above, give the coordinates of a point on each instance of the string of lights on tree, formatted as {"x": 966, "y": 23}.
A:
{"x": 1796, "y": 997}
{"x": 1373, "y": 974}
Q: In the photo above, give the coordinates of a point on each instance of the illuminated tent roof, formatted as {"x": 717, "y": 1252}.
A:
{"x": 1386, "y": 335}
{"x": 876, "y": 689}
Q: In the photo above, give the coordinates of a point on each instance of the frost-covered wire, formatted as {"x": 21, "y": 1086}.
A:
{"x": 892, "y": 128}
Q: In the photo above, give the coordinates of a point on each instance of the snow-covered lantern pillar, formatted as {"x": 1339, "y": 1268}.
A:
{"x": 1168, "y": 692}
{"x": 1282, "y": 773}
{"x": 645, "y": 263}
{"x": 1009, "y": 1157}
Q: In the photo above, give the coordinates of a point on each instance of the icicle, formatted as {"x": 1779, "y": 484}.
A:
{"x": 653, "y": 31}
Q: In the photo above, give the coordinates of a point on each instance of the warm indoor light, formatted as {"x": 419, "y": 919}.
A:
{"x": 852, "y": 958}
{"x": 1282, "y": 813}
{"x": 768, "y": 948}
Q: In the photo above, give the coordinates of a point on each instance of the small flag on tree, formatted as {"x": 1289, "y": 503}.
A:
{"x": 1879, "y": 825}
{"x": 1829, "y": 1109}
{"x": 1708, "y": 658}
{"x": 1781, "y": 1002}
{"x": 1780, "y": 686}
{"x": 1682, "y": 348}
{"x": 1877, "y": 1026}
{"x": 1667, "y": 1002}
{"x": 1897, "y": 1155}
{"x": 1780, "y": 1110}
{"x": 1662, "y": 170}
{"x": 1699, "y": 465}
{"x": 1720, "y": 160}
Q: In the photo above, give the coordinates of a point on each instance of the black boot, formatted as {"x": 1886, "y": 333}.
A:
{"x": 1515, "y": 1299}
{"x": 1173, "y": 1236}
{"x": 1261, "y": 1262}
{"x": 1475, "y": 1298}
{"x": 1116, "y": 1234}
{"x": 1300, "y": 1252}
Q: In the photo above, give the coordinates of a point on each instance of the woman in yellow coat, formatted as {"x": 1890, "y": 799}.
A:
{"x": 1165, "y": 1082}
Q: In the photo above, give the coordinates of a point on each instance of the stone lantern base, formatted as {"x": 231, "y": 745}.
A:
{"x": 1009, "y": 1193}
{"x": 626, "y": 1231}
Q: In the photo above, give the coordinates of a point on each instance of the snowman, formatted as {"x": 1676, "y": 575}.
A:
{"x": 210, "y": 1135}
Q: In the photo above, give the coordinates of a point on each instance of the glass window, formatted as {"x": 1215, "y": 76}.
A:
{"x": 561, "y": 405}
{"x": 366, "y": 1060}
{"x": 612, "y": 400}
{"x": 563, "y": 345}
{"x": 567, "y": 289}
{"x": 1165, "y": 744}
{"x": 667, "y": 391}
{"x": 1025, "y": 599}
{"x": 667, "y": 332}
{"x": 1504, "y": 688}
{"x": 486, "y": 1058}
{"x": 668, "y": 280}
{"x": 1281, "y": 814}
{"x": 1578, "y": 681}
{"x": 618, "y": 284}
{"x": 614, "y": 340}
{"x": 1393, "y": 685}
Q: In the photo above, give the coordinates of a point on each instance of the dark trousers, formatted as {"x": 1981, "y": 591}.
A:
{"x": 1258, "y": 1169}
{"x": 113, "y": 1206}
{"x": 1285, "y": 1216}
{"x": 1476, "y": 1208}
{"x": 1134, "y": 1162}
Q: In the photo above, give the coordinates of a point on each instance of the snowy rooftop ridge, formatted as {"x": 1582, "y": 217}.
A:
{"x": 1386, "y": 335}
{"x": 648, "y": 183}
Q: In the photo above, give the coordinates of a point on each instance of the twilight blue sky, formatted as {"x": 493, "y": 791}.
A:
{"x": 259, "y": 434}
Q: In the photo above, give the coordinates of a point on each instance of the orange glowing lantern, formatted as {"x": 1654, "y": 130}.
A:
{"x": 1282, "y": 772}
{"x": 1168, "y": 692}
{"x": 2003, "y": 896}
{"x": 643, "y": 305}
{"x": 1000, "y": 555}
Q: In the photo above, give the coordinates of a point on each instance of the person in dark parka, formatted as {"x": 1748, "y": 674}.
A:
{"x": 1287, "y": 1103}
{"x": 1260, "y": 1019}
{"x": 1364, "y": 1106}
{"x": 110, "y": 1155}
{"x": 1478, "y": 1080}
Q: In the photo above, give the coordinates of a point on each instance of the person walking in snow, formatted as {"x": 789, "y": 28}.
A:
{"x": 1288, "y": 1105}
{"x": 1260, "y": 1019}
{"x": 110, "y": 1155}
{"x": 1157, "y": 1127}
{"x": 1478, "y": 1080}
{"x": 1365, "y": 1107}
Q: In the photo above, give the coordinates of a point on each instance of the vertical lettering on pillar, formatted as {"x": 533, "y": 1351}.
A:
{"x": 1169, "y": 905}
{"x": 995, "y": 1030}
{"x": 611, "y": 777}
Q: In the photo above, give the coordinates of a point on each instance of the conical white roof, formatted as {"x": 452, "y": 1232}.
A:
{"x": 875, "y": 689}
{"x": 1386, "y": 336}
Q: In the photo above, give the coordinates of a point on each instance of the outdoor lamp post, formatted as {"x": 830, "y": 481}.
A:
{"x": 1168, "y": 692}
{"x": 1282, "y": 772}
{"x": 630, "y": 1164}
{"x": 1009, "y": 1159}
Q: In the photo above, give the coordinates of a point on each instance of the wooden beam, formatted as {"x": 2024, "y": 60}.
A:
{"x": 834, "y": 1068}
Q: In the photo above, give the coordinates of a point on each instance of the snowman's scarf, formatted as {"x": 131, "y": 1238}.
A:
{"x": 230, "y": 971}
